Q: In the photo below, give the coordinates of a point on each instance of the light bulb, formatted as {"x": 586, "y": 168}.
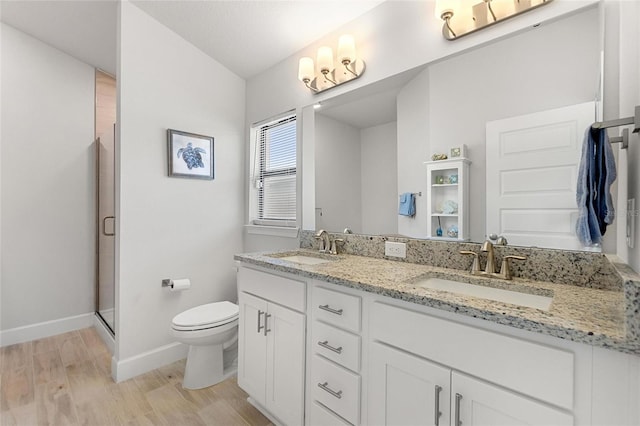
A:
{"x": 305, "y": 69}
{"x": 346, "y": 49}
{"x": 325, "y": 59}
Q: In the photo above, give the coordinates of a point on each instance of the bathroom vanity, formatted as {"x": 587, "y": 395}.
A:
{"x": 349, "y": 340}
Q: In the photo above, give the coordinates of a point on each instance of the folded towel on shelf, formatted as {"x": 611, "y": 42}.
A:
{"x": 407, "y": 204}
{"x": 596, "y": 174}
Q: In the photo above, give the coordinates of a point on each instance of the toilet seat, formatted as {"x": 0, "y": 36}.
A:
{"x": 206, "y": 316}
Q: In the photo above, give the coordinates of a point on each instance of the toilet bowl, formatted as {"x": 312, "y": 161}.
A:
{"x": 211, "y": 331}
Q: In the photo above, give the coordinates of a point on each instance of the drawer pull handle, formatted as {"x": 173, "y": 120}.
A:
{"x": 324, "y": 386}
{"x": 260, "y": 326}
{"x": 457, "y": 417}
{"x": 438, "y": 413}
{"x": 326, "y": 345}
{"x": 328, "y": 309}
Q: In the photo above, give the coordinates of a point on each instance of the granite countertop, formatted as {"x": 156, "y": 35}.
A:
{"x": 580, "y": 314}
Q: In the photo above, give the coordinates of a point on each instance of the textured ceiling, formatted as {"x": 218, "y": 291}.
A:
{"x": 246, "y": 36}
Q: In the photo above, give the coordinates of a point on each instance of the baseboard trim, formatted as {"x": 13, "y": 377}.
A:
{"x": 147, "y": 361}
{"x": 41, "y": 330}
{"x": 104, "y": 334}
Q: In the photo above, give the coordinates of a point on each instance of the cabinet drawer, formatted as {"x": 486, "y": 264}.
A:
{"x": 337, "y": 345}
{"x": 543, "y": 372}
{"x": 320, "y": 415}
{"x": 337, "y": 308}
{"x": 336, "y": 388}
{"x": 284, "y": 291}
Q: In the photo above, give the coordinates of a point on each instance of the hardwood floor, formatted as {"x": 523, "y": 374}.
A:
{"x": 66, "y": 380}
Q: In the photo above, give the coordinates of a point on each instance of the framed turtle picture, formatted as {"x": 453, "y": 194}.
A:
{"x": 190, "y": 155}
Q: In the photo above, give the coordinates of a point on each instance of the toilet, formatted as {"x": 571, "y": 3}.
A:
{"x": 211, "y": 331}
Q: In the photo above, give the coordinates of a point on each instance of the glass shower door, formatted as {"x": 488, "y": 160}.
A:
{"x": 105, "y": 176}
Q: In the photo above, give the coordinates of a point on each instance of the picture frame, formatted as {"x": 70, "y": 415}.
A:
{"x": 458, "y": 151}
{"x": 190, "y": 155}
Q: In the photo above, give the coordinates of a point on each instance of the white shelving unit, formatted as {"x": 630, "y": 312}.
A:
{"x": 448, "y": 187}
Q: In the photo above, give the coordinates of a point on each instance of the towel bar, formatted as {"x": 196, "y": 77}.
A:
{"x": 624, "y": 139}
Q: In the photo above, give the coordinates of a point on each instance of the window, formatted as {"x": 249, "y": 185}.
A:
{"x": 274, "y": 173}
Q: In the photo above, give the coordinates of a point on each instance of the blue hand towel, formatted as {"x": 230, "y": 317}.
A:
{"x": 596, "y": 174}
{"x": 407, "y": 204}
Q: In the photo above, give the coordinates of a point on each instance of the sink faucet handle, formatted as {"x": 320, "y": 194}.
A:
{"x": 475, "y": 267}
{"x": 334, "y": 245}
{"x": 505, "y": 271}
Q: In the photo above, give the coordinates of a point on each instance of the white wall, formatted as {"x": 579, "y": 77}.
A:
{"x": 629, "y": 98}
{"x": 47, "y": 183}
{"x": 379, "y": 173}
{"x": 173, "y": 227}
{"x": 337, "y": 167}
{"x": 413, "y": 149}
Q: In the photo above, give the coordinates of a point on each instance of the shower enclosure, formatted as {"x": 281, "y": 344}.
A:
{"x": 105, "y": 117}
{"x": 106, "y": 229}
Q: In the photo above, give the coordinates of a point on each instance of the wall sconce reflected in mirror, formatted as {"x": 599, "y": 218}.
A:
{"x": 326, "y": 76}
{"x": 462, "y": 17}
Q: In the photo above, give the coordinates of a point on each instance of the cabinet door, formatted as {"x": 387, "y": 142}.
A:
{"x": 252, "y": 346}
{"x": 476, "y": 403}
{"x": 285, "y": 364}
{"x": 405, "y": 389}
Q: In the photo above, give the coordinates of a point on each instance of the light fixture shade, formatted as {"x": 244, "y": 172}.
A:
{"x": 325, "y": 59}
{"x": 305, "y": 69}
{"x": 346, "y": 48}
{"x": 443, "y": 6}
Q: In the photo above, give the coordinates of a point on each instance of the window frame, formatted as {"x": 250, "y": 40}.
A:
{"x": 257, "y": 224}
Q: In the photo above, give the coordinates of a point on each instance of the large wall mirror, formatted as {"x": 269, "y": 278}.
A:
{"x": 371, "y": 143}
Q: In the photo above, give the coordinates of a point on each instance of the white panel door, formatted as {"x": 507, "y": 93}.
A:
{"x": 252, "y": 346}
{"x": 285, "y": 364}
{"x": 406, "y": 390}
{"x": 477, "y": 403}
{"x": 532, "y": 168}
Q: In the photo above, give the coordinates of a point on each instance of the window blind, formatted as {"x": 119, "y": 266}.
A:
{"x": 276, "y": 180}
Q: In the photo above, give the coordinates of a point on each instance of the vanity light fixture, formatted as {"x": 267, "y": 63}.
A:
{"x": 326, "y": 75}
{"x": 462, "y": 17}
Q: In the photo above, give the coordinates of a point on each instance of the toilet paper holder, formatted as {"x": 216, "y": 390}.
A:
{"x": 176, "y": 284}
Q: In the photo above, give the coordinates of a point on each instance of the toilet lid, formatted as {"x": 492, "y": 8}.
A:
{"x": 209, "y": 314}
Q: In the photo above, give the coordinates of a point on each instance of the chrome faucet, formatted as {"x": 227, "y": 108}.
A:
{"x": 325, "y": 243}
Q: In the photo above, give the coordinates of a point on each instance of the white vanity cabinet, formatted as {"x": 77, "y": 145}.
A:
{"x": 364, "y": 358}
{"x": 271, "y": 343}
{"x": 409, "y": 390}
{"x": 334, "y": 380}
{"x": 405, "y": 389}
{"x": 470, "y": 376}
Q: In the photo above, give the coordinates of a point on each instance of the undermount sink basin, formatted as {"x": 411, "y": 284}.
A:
{"x": 304, "y": 257}
{"x": 305, "y": 260}
{"x": 499, "y": 295}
